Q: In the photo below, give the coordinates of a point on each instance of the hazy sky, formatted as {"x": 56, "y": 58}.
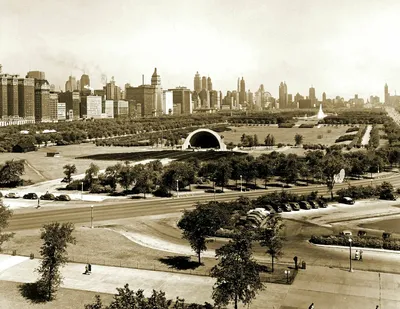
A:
{"x": 341, "y": 47}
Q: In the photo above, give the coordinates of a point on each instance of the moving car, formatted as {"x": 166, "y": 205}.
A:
{"x": 346, "y": 200}
{"x": 63, "y": 197}
{"x": 295, "y": 206}
{"x": 30, "y": 196}
{"x": 11, "y": 195}
{"x": 48, "y": 197}
{"x": 304, "y": 205}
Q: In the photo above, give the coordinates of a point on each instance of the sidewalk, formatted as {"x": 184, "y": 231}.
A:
{"x": 326, "y": 287}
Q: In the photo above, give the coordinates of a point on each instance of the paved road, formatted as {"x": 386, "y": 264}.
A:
{"x": 35, "y": 218}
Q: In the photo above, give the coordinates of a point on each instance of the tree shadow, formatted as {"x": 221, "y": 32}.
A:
{"x": 180, "y": 262}
{"x": 31, "y": 291}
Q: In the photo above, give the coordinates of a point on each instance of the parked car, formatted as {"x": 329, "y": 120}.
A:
{"x": 313, "y": 204}
{"x": 295, "y": 206}
{"x": 277, "y": 209}
{"x": 30, "y": 196}
{"x": 322, "y": 203}
{"x": 63, "y": 197}
{"x": 346, "y": 200}
{"x": 48, "y": 197}
{"x": 346, "y": 233}
{"x": 270, "y": 209}
{"x": 12, "y": 195}
{"x": 286, "y": 207}
{"x": 304, "y": 205}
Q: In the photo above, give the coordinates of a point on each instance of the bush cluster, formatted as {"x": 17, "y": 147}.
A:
{"x": 306, "y": 125}
{"x": 286, "y": 125}
{"x": 347, "y": 137}
{"x": 352, "y": 129}
{"x": 357, "y": 241}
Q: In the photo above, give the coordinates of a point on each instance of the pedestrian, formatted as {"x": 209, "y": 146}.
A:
{"x": 361, "y": 252}
{"x": 38, "y": 203}
{"x": 86, "y": 270}
{"x": 311, "y": 306}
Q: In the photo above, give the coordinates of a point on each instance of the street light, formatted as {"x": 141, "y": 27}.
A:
{"x": 177, "y": 188}
{"x": 241, "y": 183}
{"x": 351, "y": 268}
{"x": 287, "y": 272}
{"x": 91, "y": 216}
{"x": 81, "y": 190}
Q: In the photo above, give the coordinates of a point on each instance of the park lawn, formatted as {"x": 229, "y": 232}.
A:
{"x": 11, "y": 298}
{"x": 328, "y": 134}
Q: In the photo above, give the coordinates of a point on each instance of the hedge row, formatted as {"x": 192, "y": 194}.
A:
{"x": 307, "y": 125}
{"x": 286, "y": 125}
{"x": 357, "y": 241}
{"x": 347, "y": 137}
{"x": 352, "y": 129}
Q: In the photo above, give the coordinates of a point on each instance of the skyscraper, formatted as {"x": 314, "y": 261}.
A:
{"x": 85, "y": 81}
{"x": 12, "y": 96}
{"x": 312, "y": 97}
{"x": 204, "y": 83}
{"x": 323, "y": 97}
{"x": 26, "y": 98}
{"x": 283, "y": 95}
{"x": 156, "y": 82}
{"x": 387, "y": 95}
{"x": 3, "y": 97}
{"x": 70, "y": 84}
{"x": 42, "y": 100}
{"x": 242, "y": 92}
{"x": 197, "y": 82}
{"x": 209, "y": 84}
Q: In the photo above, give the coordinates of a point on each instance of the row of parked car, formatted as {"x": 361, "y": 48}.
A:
{"x": 287, "y": 207}
{"x": 33, "y": 196}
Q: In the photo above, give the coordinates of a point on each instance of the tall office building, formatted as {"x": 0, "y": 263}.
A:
{"x": 168, "y": 102}
{"x": 53, "y": 104}
{"x": 72, "y": 102}
{"x": 36, "y": 75}
{"x": 283, "y": 95}
{"x": 70, "y": 84}
{"x": 312, "y": 97}
{"x": 91, "y": 107}
{"x": 110, "y": 90}
{"x": 3, "y": 97}
{"x": 387, "y": 95}
{"x": 182, "y": 100}
{"x": 197, "y": 83}
{"x": 323, "y": 97}
{"x": 42, "y": 100}
{"x": 85, "y": 81}
{"x": 26, "y": 98}
{"x": 242, "y": 92}
{"x": 215, "y": 100}
{"x": 204, "y": 83}
{"x": 12, "y": 96}
{"x": 156, "y": 82}
{"x": 144, "y": 97}
{"x": 204, "y": 97}
{"x": 209, "y": 84}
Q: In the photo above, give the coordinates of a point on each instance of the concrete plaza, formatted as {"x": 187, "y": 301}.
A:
{"x": 325, "y": 287}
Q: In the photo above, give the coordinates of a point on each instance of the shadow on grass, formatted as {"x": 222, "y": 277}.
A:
{"x": 31, "y": 291}
{"x": 180, "y": 262}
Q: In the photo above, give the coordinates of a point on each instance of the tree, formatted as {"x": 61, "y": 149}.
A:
{"x": 386, "y": 191}
{"x": 332, "y": 164}
{"x": 69, "y": 169}
{"x": 298, "y": 139}
{"x": 237, "y": 274}
{"x": 5, "y": 215}
{"x": 182, "y": 172}
{"x": 10, "y": 173}
{"x": 126, "y": 298}
{"x": 264, "y": 168}
{"x": 269, "y": 237}
{"x": 199, "y": 223}
{"x": 269, "y": 140}
{"x": 111, "y": 176}
{"x": 91, "y": 174}
{"x": 125, "y": 176}
{"x": 291, "y": 169}
{"x": 56, "y": 238}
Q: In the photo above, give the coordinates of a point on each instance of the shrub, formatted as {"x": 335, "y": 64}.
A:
{"x": 352, "y": 129}
{"x": 286, "y": 125}
{"x": 162, "y": 192}
{"x": 306, "y": 125}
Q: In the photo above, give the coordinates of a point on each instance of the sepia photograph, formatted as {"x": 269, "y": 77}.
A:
{"x": 199, "y": 154}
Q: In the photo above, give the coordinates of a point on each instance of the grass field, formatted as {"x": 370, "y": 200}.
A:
{"x": 11, "y": 298}
{"x": 286, "y": 135}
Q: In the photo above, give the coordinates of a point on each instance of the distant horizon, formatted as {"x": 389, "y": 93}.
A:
{"x": 339, "y": 47}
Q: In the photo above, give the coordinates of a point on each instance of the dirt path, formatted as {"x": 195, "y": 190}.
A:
{"x": 365, "y": 139}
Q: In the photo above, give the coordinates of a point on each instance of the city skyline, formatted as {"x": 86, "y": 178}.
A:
{"x": 341, "y": 48}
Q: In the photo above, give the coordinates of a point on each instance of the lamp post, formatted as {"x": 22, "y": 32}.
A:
{"x": 81, "y": 190}
{"x": 351, "y": 268}
{"x": 287, "y": 272}
{"x": 91, "y": 216}
{"x": 177, "y": 188}
{"x": 241, "y": 183}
